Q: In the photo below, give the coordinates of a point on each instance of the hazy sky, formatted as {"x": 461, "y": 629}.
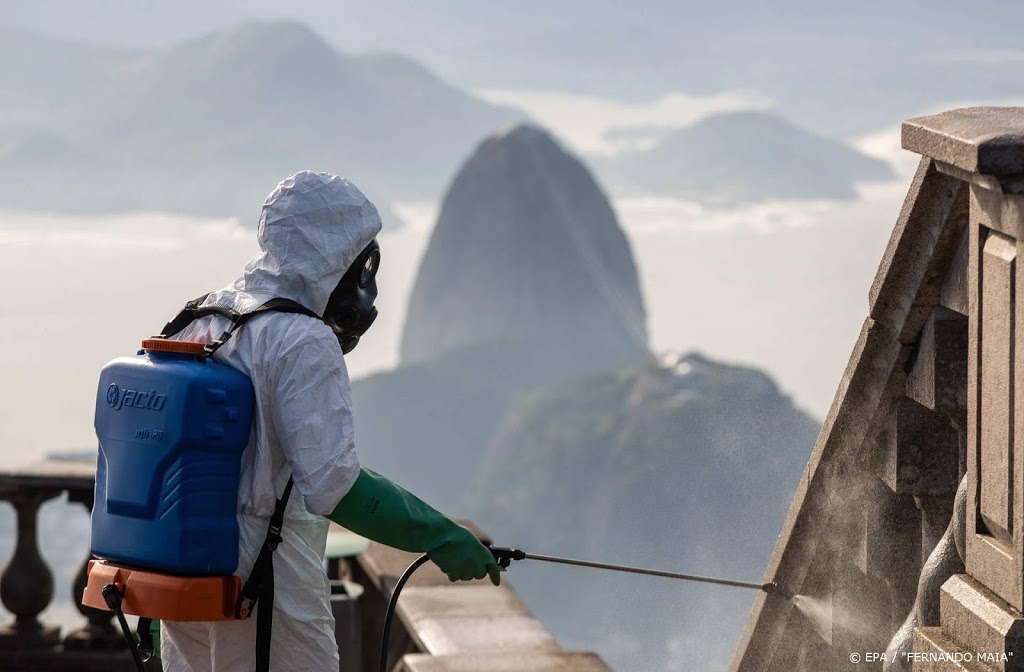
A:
{"x": 780, "y": 285}
{"x": 830, "y": 66}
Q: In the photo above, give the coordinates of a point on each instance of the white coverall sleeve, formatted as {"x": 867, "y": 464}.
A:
{"x": 311, "y": 398}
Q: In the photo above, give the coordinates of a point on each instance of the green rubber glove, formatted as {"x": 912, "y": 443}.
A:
{"x": 382, "y": 511}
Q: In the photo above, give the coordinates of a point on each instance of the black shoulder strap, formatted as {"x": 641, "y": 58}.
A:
{"x": 144, "y": 630}
{"x": 192, "y": 311}
{"x": 183, "y": 318}
{"x": 283, "y": 306}
{"x": 259, "y": 588}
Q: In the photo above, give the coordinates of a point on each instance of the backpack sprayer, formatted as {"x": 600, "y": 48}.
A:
{"x": 505, "y": 557}
{"x": 172, "y": 424}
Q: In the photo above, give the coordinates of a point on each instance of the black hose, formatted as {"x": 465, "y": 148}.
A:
{"x": 505, "y": 556}
{"x": 390, "y": 615}
{"x": 113, "y": 596}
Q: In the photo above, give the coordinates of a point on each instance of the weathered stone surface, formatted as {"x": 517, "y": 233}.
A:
{"x": 869, "y": 460}
{"x": 981, "y": 622}
{"x": 472, "y": 599}
{"x": 995, "y": 510}
{"x": 1001, "y": 212}
{"x": 470, "y": 617}
{"x": 875, "y": 356}
{"x": 863, "y": 611}
{"x": 460, "y": 634}
{"x": 954, "y": 288}
{"x": 935, "y": 515}
{"x": 986, "y": 140}
{"x": 944, "y": 561}
{"x": 922, "y": 451}
{"x": 999, "y": 254}
{"x": 933, "y": 642}
{"x": 890, "y": 549}
{"x": 908, "y": 282}
{"x": 929, "y": 291}
{"x": 801, "y": 651}
{"x": 812, "y": 629}
{"x": 523, "y": 661}
{"x": 938, "y": 376}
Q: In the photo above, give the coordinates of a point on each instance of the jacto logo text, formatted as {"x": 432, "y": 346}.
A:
{"x": 118, "y": 399}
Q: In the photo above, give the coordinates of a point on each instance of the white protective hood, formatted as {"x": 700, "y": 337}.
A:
{"x": 312, "y": 228}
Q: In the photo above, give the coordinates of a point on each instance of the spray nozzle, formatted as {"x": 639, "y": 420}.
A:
{"x": 505, "y": 556}
{"x": 778, "y": 590}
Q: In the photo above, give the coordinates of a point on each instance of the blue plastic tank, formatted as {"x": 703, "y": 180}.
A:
{"x": 171, "y": 429}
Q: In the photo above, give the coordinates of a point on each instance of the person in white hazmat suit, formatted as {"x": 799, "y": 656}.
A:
{"x": 312, "y": 228}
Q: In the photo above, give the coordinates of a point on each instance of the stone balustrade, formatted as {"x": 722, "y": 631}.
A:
{"x": 27, "y": 584}
{"x": 439, "y": 626}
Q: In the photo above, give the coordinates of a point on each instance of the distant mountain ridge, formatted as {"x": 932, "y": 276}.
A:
{"x": 210, "y": 125}
{"x": 743, "y": 157}
{"x": 834, "y": 68}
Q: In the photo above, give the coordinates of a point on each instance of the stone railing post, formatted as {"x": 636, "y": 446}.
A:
{"x": 26, "y": 585}
{"x": 99, "y": 634}
{"x": 981, "y": 611}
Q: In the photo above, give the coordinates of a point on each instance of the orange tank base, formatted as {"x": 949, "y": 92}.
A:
{"x": 162, "y": 596}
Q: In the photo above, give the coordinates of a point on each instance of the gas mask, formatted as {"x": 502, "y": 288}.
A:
{"x": 350, "y": 310}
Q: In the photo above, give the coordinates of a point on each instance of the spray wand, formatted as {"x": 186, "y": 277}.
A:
{"x": 505, "y": 557}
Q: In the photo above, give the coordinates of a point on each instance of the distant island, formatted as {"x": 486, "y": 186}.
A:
{"x": 741, "y": 157}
